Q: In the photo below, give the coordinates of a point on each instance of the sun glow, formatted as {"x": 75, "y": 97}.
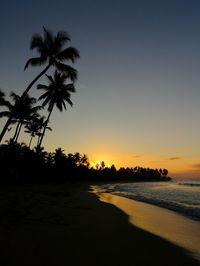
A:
{"x": 99, "y": 164}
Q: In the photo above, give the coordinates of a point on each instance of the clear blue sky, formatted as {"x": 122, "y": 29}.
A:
{"x": 138, "y": 93}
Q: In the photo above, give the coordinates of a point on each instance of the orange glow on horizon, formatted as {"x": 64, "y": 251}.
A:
{"x": 185, "y": 166}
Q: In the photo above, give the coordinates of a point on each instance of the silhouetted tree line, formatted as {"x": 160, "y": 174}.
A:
{"x": 21, "y": 164}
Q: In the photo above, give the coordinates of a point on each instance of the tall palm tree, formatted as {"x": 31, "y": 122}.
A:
{"x": 56, "y": 94}
{"x": 51, "y": 52}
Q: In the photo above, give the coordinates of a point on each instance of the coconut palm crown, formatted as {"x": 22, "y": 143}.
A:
{"x": 51, "y": 51}
{"x": 57, "y": 93}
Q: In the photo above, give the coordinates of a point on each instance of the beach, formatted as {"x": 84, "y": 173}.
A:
{"x": 62, "y": 224}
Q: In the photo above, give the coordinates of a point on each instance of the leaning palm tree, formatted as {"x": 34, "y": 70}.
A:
{"x": 56, "y": 94}
{"x": 27, "y": 112}
{"x": 22, "y": 111}
{"x": 12, "y": 108}
{"x": 52, "y": 52}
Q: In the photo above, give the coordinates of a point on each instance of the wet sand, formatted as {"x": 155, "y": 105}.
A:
{"x": 68, "y": 225}
{"x": 167, "y": 224}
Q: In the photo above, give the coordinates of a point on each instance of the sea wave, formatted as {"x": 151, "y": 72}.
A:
{"x": 172, "y": 196}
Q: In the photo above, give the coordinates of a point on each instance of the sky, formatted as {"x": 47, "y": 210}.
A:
{"x": 138, "y": 92}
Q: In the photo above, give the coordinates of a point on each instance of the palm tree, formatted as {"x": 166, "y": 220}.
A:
{"x": 34, "y": 128}
{"x": 11, "y": 109}
{"x": 42, "y": 124}
{"x": 59, "y": 155}
{"x": 51, "y": 52}
{"x": 56, "y": 94}
{"x": 22, "y": 111}
{"x": 84, "y": 160}
{"x": 77, "y": 158}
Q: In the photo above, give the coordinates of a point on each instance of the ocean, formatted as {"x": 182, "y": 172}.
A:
{"x": 180, "y": 196}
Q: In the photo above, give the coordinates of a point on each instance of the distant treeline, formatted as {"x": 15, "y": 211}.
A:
{"x": 20, "y": 164}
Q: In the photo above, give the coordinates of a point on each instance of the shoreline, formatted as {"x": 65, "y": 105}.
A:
{"x": 160, "y": 221}
{"x": 69, "y": 225}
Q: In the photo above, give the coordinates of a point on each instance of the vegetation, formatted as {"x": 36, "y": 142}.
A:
{"x": 20, "y": 163}
{"x": 56, "y": 94}
{"x": 52, "y": 52}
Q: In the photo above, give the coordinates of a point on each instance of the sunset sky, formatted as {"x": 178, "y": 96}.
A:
{"x": 138, "y": 92}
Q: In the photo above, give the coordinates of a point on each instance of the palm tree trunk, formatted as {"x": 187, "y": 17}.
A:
{"x": 38, "y": 140}
{"x": 30, "y": 141}
{"x": 42, "y": 136}
{"x": 5, "y": 128}
{"x": 23, "y": 95}
{"x": 35, "y": 79}
{"x": 19, "y": 131}
{"x": 16, "y": 131}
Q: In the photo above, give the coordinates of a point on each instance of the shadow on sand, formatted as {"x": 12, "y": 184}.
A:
{"x": 68, "y": 225}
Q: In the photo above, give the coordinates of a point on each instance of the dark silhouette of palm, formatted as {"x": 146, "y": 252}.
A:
{"x": 57, "y": 93}
{"x": 42, "y": 124}
{"x": 22, "y": 111}
{"x": 35, "y": 126}
{"x": 52, "y": 52}
{"x": 2, "y": 98}
{"x": 12, "y": 108}
{"x": 59, "y": 155}
{"x": 32, "y": 128}
{"x": 84, "y": 160}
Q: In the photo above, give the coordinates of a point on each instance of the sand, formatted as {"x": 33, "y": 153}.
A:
{"x": 69, "y": 225}
{"x": 167, "y": 224}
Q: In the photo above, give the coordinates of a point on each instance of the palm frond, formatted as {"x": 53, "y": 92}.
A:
{"x": 2, "y": 94}
{"x": 7, "y": 104}
{"x": 4, "y": 114}
{"x": 69, "y": 71}
{"x": 42, "y": 87}
{"x": 61, "y": 38}
{"x": 48, "y": 38}
{"x": 49, "y": 78}
{"x": 35, "y": 61}
{"x": 15, "y": 97}
{"x": 70, "y": 53}
{"x": 70, "y": 87}
{"x": 69, "y": 101}
{"x": 36, "y": 42}
{"x": 49, "y": 128}
{"x": 44, "y": 96}
{"x": 35, "y": 109}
